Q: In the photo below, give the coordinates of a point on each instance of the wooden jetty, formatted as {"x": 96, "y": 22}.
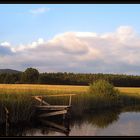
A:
{"x": 53, "y": 109}
{"x": 47, "y": 110}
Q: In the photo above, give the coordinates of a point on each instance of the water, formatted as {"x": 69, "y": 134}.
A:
{"x": 103, "y": 123}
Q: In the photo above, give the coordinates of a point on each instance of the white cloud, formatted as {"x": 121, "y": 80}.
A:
{"x": 6, "y": 44}
{"x": 39, "y": 10}
{"x": 115, "y": 52}
{"x": 86, "y": 34}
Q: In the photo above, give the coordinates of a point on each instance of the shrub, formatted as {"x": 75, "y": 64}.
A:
{"x": 103, "y": 88}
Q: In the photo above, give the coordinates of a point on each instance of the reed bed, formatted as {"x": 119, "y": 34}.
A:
{"x": 20, "y": 107}
{"x": 18, "y": 99}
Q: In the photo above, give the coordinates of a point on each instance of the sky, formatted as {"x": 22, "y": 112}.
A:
{"x": 80, "y": 38}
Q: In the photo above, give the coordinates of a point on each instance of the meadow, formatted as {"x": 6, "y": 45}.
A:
{"x": 35, "y": 88}
{"x": 41, "y": 89}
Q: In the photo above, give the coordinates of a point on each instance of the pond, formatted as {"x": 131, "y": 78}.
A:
{"x": 99, "y": 123}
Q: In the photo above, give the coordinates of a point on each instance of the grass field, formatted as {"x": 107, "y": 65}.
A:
{"x": 30, "y": 88}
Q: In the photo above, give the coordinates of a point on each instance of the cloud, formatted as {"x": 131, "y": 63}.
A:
{"x": 6, "y": 44}
{"x": 39, "y": 10}
{"x": 115, "y": 52}
{"x": 5, "y": 49}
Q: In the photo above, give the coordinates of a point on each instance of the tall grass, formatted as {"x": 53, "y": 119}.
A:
{"x": 20, "y": 107}
{"x": 101, "y": 95}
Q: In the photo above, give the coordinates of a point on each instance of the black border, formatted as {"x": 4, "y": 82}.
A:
{"x": 70, "y": 2}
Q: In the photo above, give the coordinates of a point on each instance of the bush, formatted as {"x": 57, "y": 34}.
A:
{"x": 103, "y": 88}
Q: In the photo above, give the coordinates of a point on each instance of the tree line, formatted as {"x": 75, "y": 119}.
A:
{"x": 32, "y": 76}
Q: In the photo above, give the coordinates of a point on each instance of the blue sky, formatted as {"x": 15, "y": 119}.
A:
{"x": 85, "y": 37}
{"x": 19, "y": 25}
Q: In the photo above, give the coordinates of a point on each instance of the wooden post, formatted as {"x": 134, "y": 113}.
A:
{"x": 41, "y": 100}
{"x": 70, "y": 101}
{"x": 6, "y": 121}
{"x": 64, "y": 116}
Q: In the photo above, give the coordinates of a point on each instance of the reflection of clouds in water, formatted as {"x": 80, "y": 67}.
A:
{"x": 129, "y": 115}
{"x": 86, "y": 129}
{"x": 127, "y": 125}
{"x": 34, "y": 132}
{"x": 39, "y": 132}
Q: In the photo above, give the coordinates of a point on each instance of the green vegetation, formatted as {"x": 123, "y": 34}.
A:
{"x": 19, "y": 106}
{"x": 101, "y": 96}
{"x": 88, "y": 100}
{"x": 32, "y": 76}
{"x": 103, "y": 88}
{"x": 101, "y": 93}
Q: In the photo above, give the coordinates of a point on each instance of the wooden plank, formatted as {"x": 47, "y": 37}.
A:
{"x": 53, "y": 113}
{"x": 54, "y": 95}
{"x": 54, "y": 125}
{"x": 51, "y": 108}
{"x": 40, "y": 100}
{"x": 62, "y": 95}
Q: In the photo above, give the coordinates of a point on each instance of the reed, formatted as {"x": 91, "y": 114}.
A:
{"x": 20, "y": 107}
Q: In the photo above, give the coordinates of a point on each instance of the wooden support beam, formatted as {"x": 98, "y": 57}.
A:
{"x": 53, "y": 113}
{"x": 41, "y": 100}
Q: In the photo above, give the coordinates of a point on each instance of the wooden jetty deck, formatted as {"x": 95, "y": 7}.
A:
{"x": 54, "y": 109}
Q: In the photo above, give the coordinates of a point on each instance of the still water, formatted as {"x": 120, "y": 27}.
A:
{"x": 108, "y": 123}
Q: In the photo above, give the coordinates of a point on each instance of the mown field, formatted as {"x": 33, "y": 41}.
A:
{"x": 46, "y": 89}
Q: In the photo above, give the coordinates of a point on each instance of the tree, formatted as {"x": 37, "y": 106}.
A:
{"x": 8, "y": 79}
{"x": 30, "y": 76}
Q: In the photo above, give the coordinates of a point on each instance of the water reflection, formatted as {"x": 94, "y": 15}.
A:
{"x": 114, "y": 122}
{"x": 128, "y": 124}
{"x": 99, "y": 119}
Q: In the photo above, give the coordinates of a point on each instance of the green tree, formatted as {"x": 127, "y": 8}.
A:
{"x": 8, "y": 79}
{"x": 30, "y": 76}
